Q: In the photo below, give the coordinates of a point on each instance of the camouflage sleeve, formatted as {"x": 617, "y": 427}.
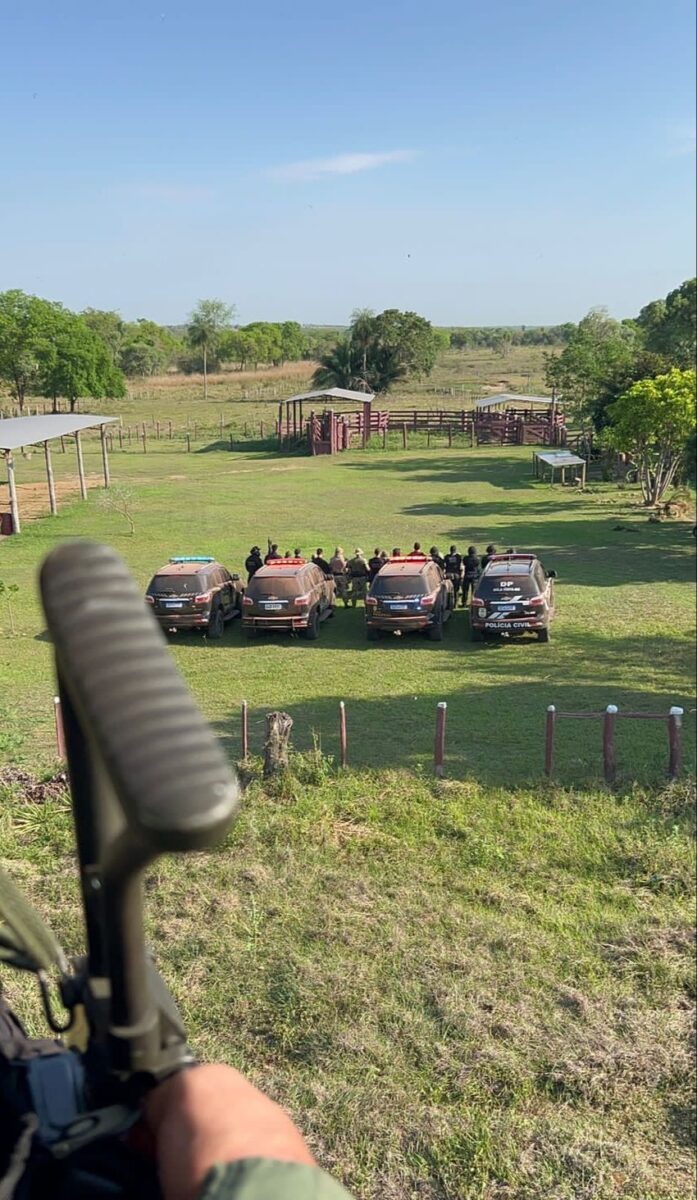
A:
{"x": 266, "y": 1179}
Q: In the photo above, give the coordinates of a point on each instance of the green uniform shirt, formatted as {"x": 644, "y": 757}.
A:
{"x": 266, "y": 1179}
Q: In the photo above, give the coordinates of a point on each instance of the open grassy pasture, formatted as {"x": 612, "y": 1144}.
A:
{"x": 252, "y": 396}
{"x": 481, "y": 989}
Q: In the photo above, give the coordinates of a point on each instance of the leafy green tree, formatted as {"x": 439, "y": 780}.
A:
{"x": 292, "y": 341}
{"x": 670, "y": 326}
{"x": 147, "y": 348}
{"x": 207, "y": 323}
{"x": 109, "y": 326}
{"x": 378, "y": 351}
{"x": 26, "y": 325}
{"x": 76, "y": 363}
{"x": 598, "y": 348}
{"x": 653, "y": 422}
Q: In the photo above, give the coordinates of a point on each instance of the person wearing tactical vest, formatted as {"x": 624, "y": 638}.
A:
{"x": 375, "y": 563}
{"x": 358, "y": 573}
{"x": 338, "y": 569}
{"x": 471, "y": 572}
{"x": 453, "y": 569}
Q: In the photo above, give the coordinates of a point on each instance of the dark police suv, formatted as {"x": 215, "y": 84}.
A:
{"x": 514, "y": 595}
{"x": 195, "y": 592}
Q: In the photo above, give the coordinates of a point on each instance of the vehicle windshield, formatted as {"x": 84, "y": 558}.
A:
{"x": 399, "y": 585}
{"x": 281, "y": 587}
{"x": 176, "y": 585}
{"x": 506, "y": 587}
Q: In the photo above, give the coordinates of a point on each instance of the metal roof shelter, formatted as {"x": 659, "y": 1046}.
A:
{"x": 16, "y": 432}
{"x": 514, "y": 400}
{"x": 294, "y": 423}
{"x": 557, "y": 460}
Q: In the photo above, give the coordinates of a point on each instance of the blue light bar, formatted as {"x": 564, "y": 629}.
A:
{"x": 184, "y": 558}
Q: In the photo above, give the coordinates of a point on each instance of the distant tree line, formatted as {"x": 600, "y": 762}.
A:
{"x": 502, "y": 338}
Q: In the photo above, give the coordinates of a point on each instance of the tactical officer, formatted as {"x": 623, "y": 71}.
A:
{"x": 453, "y": 569}
{"x": 374, "y": 564}
{"x": 471, "y": 569}
{"x": 485, "y": 557}
{"x": 320, "y": 561}
{"x": 273, "y": 553}
{"x": 437, "y": 557}
{"x": 253, "y": 562}
{"x": 358, "y": 571}
{"x": 338, "y": 568}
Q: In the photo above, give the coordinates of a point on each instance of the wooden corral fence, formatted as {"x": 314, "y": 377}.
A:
{"x": 608, "y": 717}
{"x": 330, "y": 432}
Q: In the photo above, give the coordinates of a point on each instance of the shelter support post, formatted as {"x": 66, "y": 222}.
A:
{"x": 14, "y": 506}
{"x": 80, "y": 466}
{"x": 50, "y": 480}
{"x": 105, "y": 454}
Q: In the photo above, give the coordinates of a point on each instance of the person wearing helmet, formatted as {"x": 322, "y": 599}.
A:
{"x": 253, "y": 562}
{"x": 339, "y": 569}
{"x": 471, "y": 567}
{"x": 453, "y": 569}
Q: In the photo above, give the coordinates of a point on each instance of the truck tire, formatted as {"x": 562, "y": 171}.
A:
{"x": 312, "y": 631}
{"x": 435, "y": 631}
{"x": 543, "y": 635}
{"x": 216, "y": 625}
{"x": 476, "y": 635}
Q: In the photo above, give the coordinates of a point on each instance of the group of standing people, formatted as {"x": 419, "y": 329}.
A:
{"x": 353, "y": 576}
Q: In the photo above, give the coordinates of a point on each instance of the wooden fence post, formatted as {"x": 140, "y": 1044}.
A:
{"x": 549, "y": 738}
{"x": 245, "y": 731}
{"x": 450, "y": 435}
{"x": 439, "y": 746}
{"x": 169, "y": 430}
{"x": 188, "y": 441}
{"x": 674, "y": 741}
{"x": 60, "y": 732}
{"x": 276, "y": 747}
{"x": 404, "y": 436}
{"x": 120, "y": 432}
{"x": 145, "y": 441}
{"x": 157, "y": 431}
{"x": 609, "y": 761}
{"x": 342, "y": 734}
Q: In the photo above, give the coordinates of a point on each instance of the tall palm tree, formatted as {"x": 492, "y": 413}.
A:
{"x": 338, "y": 367}
{"x": 206, "y": 323}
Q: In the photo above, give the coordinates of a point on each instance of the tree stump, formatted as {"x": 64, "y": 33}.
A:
{"x": 278, "y": 727}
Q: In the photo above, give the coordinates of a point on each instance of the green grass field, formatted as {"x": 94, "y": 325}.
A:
{"x": 475, "y": 989}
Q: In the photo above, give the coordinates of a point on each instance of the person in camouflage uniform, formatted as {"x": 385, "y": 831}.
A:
{"x": 359, "y": 571}
{"x": 337, "y": 564}
{"x": 218, "y": 1138}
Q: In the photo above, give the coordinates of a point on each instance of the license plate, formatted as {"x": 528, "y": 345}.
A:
{"x": 507, "y": 607}
{"x": 174, "y": 604}
{"x": 399, "y": 607}
{"x": 273, "y": 607}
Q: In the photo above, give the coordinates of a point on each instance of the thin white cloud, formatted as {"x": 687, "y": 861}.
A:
{"x": 339, "y": 164}
{"x": 682, "y": 139}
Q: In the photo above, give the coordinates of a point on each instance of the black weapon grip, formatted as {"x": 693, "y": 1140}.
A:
{"x": 175, "y": 787}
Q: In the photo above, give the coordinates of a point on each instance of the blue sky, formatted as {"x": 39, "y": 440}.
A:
{"x": 481, "y": 163}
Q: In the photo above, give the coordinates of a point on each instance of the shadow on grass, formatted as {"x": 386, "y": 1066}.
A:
{"x": 582, "y": 549}
{"x": 495, "y": 716}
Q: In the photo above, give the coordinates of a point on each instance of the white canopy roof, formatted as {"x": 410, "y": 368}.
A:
{"x": 28, "y": 431}
{"x": 512, "y": 398}
{"x": 333, "y": 393}
{"x": 560, "y": 458}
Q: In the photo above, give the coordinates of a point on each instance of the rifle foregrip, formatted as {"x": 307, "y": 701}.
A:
{"x": 169, "y": 772}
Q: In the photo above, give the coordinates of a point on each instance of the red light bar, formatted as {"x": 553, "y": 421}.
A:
{"x": 286, "y": 562}
{"x": 419, "y": 558}
{"x": 523, "y": 556}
